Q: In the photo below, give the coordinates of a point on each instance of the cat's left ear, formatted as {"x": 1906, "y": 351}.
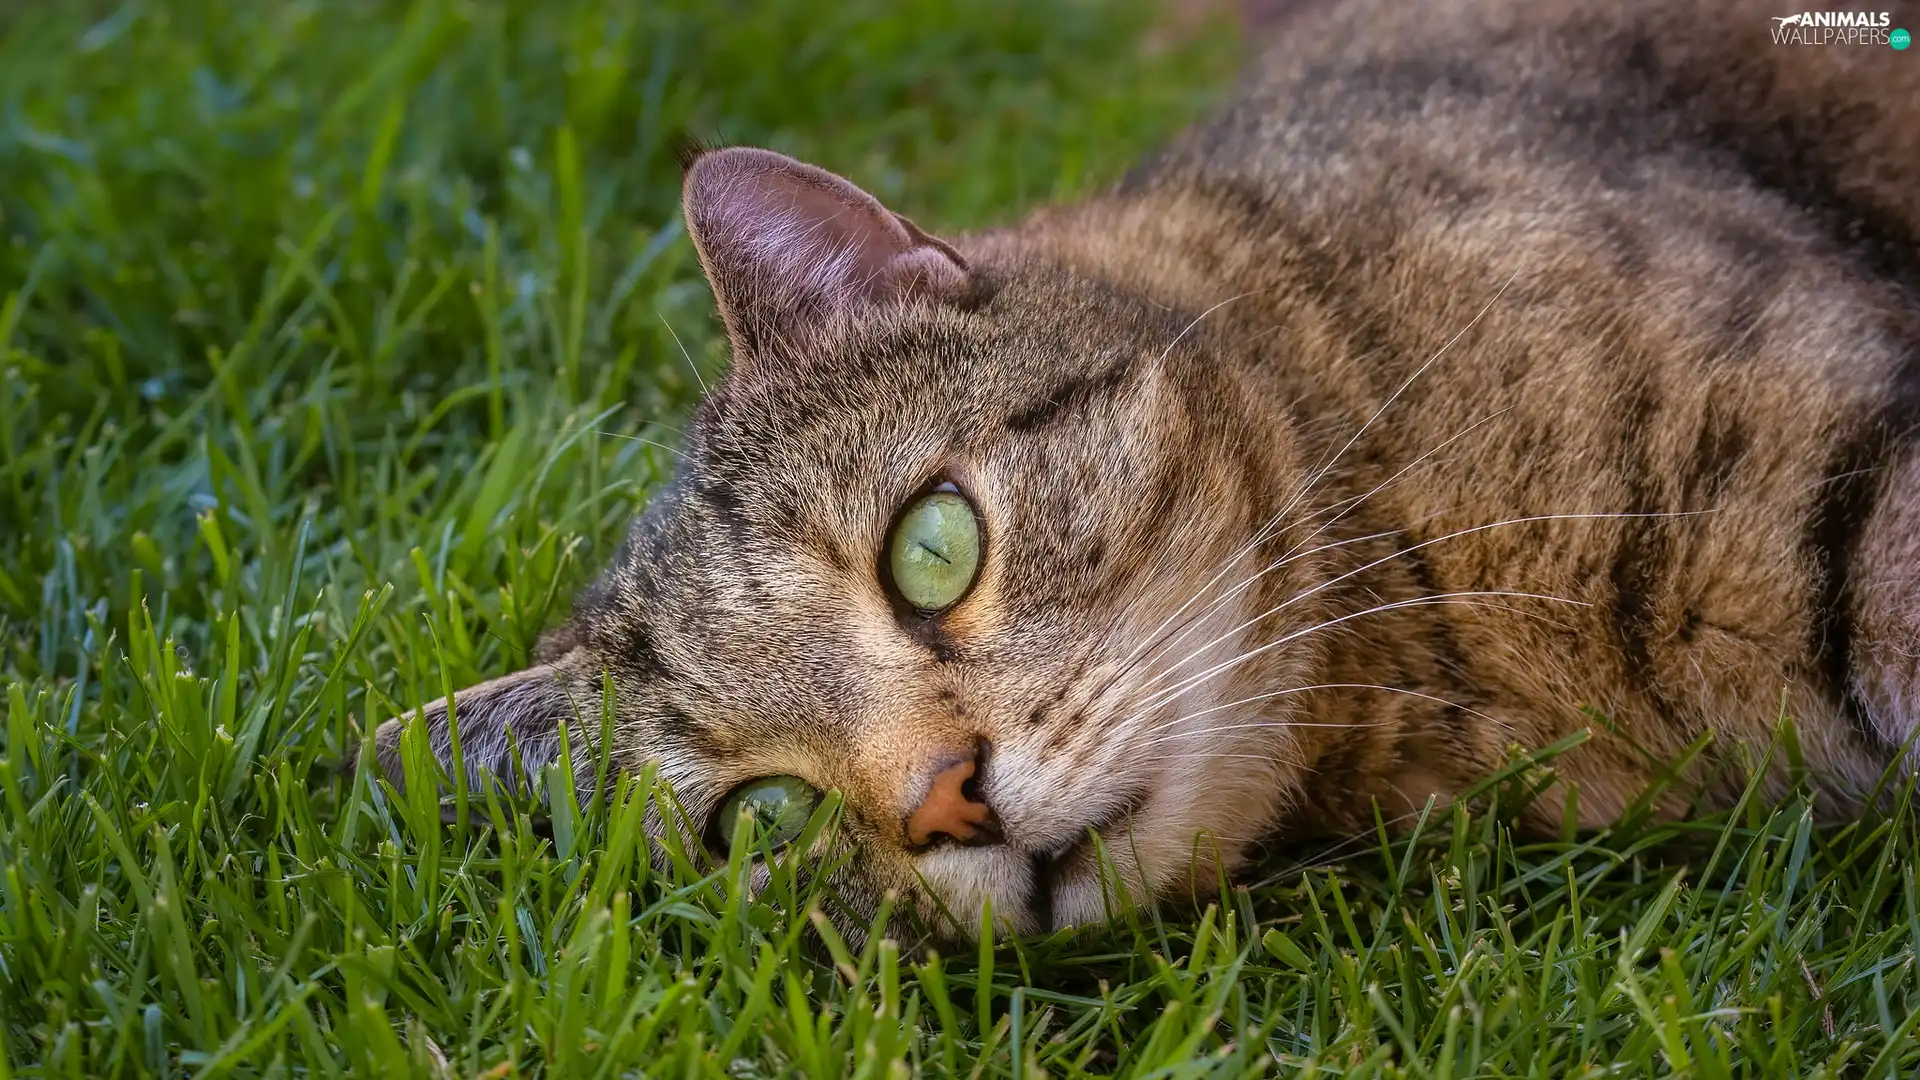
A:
{"x": 509, "y": 727}
{"x": 785, "y": 245}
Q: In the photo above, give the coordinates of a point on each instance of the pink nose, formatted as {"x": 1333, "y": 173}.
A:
{"x": 948, "y": 810}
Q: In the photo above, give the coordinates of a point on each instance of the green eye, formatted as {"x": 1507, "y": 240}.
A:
{"x": 934, "y": 551}
{"x": 779, "y": 806}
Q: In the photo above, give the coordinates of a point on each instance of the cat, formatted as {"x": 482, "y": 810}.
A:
{"x": 1482, "y": 369}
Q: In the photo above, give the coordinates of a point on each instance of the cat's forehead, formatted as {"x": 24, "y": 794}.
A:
{"x": 792, "y": 463}
{"x": 868, "y": 378}
{"x": 796, "y": 466}
{"x": 875, "y": 382}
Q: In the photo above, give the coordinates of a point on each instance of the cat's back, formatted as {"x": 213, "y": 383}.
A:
{"x": 1660, "y": 227}
{"x": 1364, "y": 117}
{"x": 1643, "y": 277}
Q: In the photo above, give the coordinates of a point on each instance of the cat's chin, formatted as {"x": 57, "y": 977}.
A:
{"x": 1073, "y": 888}
{"x": 1028, "y": 893}
{"x": 966, "y": 882}
{"x": 1086, "y": 884}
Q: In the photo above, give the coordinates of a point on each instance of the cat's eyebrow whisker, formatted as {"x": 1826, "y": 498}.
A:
{"x": 644, "y": 425}
{"x": 1198, "y": 319}
{"x": 1329, "y": 583}
{"x": 646, "y": 442}
{"x": 688, "y": 357}
{"x": 1421, "y": 601}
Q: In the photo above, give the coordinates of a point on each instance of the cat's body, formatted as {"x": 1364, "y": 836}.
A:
{"x": 1705, "y": 249}
{"x": 1484, "y": 367}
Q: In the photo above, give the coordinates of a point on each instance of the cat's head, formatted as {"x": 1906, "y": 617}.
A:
{"x": 975, "y": 539}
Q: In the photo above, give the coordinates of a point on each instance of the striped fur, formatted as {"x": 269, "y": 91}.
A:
{"x": 1482, "y": 368}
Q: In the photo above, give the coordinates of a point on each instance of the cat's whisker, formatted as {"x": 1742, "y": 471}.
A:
{"x": 1227, "y": 564}
{"x": 1345, "y": 506}
{"x": 1254, "y": 725}
{"x": 1157, "y": 640}
{"x": 1161, "y": 732}
{"x": 1306, "y": 488}
{"x": 1267, "y": 529}
{"x": 1191, "y": 683}
{"x": 1139, "y": 655}
{"x": 1326, "y": 468}
{"x": 1331, "y": 582}
{"x": 1150, "y": 706}
{"x": 1349, "y": 505}
{"x": 1411, "y": 379}
{"x": 1187, "y": 686}
{"x": 1252, "y": 544}
{"x": 1198, "y": 319}
{"x": 1159, "y": 560}
{"x": 1248, "y": 581}
{"x": 1422, "y": 601}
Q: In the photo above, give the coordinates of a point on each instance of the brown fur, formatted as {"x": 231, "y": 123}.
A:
{"x": 1483, "y": 364}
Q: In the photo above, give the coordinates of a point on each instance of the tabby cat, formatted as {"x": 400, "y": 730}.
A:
{"x": 1483, "y": 370}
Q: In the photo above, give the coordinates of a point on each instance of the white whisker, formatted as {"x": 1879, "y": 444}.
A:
{"x": 1345, "y": 507}
{"x": 1161, "y": 735}
{"x": 1421, "y": 601}
{"x": 646, "y": 442}
{"x": 1411, "y": 379}
{"x": 1351, "y": 504}
{"x": 691, "y": 366}
{"x": 1323, "y": 586}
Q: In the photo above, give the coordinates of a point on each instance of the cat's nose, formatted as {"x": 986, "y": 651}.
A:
{"x": 953, "y": 807}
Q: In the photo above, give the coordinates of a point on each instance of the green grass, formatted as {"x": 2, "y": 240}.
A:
{"x": 337, "y": 343}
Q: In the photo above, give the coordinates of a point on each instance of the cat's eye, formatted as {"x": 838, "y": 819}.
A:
{"x": 933, "y": 554}
{"x": 778, "y": 807}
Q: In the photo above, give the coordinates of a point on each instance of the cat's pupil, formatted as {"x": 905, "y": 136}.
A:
{"x": 776, "y": 806}
{"x": 934, "y": 552}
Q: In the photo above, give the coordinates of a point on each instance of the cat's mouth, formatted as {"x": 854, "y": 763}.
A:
{"x": 1053, "y": 868}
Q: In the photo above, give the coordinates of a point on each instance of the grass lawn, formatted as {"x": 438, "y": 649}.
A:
{"x": 339, "y": 340}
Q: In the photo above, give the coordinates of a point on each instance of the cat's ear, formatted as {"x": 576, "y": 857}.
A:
{"x": 785, "y": 244}
{"x": 509, "y": 727}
